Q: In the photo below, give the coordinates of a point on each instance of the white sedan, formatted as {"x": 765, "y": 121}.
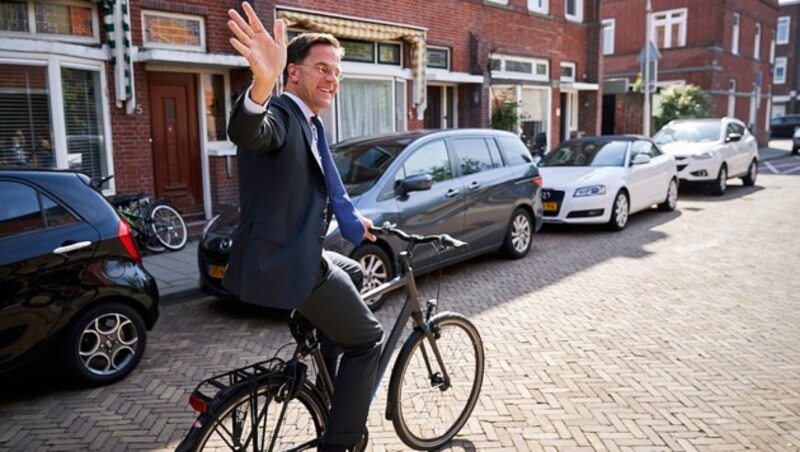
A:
{"x": 605, "y": 179}
{"x": 711, "y": 151}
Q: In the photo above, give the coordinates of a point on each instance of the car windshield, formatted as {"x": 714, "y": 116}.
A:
{"x": 698, "y": 131}
{"x": 361, "y": 164}
{"x": 587, "y": 153}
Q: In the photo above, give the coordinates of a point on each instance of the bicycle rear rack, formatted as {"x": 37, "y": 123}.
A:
{"x": 210, "y": 388}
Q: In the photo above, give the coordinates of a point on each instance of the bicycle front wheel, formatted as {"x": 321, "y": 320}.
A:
{"x": 168, "y": 227}
{"x": 259, "y": 421}
{"x": 431, "y": 403}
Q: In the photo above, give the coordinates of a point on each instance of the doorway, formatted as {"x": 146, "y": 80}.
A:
{"x": 176, "y": 141}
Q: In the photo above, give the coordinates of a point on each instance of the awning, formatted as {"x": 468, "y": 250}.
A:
{"x": 349, "y": 28}
{"x": 117, "y": 21}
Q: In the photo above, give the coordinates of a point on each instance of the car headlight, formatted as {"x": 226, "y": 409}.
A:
{"x": 591, "y": 190}
{"x": 704, "y": 155}
{"x": 209, "y": 224}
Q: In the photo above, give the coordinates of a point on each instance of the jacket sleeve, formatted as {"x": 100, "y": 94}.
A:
{"x": 261, "y": 133}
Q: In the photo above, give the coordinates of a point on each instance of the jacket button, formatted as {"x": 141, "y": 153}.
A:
{"x": 321, "y": 239}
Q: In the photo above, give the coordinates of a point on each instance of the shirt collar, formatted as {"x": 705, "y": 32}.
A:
{"x": 303, "y": 107}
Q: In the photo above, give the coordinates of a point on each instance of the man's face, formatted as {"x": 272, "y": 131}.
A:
{"x": 314, "y": 80}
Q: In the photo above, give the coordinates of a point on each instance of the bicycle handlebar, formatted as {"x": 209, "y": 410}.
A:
{"x": 445, "y": 240}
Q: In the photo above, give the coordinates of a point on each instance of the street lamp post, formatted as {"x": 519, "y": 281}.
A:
{"x": 646, "y": 128}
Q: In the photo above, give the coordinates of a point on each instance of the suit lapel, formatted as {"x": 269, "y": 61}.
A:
{"x": 305, "y": 126}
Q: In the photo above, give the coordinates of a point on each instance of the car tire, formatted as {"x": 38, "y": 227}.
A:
{"x": 377, "y": 268}
{"x": 719, "y": 185}
{"x": 752, "y": 172}
{"x": 519, "y": 235}
{"x": 671, "y": 200}
{"x": 620, "y": 211}
{"x": 103, "y": 344}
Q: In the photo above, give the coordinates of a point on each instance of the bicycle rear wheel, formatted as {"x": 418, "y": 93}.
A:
{"x": 429, "y": 409}
{"x": 168, "y": 227}
{"x": 242, "y": 422}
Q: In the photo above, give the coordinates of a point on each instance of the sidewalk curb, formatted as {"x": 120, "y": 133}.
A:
{"x": 179, "y": 296}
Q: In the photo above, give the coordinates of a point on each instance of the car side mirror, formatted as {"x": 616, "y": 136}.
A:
{"x": 733, "y": 137}
{"x": 641, "y": 159}
{"x": 417, "y": 182}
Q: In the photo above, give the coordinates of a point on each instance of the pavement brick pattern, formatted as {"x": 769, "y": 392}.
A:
{"x": 679, "y": 333}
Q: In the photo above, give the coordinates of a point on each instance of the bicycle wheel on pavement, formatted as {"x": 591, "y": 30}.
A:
{"x": 431, "y": 404}
{"x": 262, "y": 423}
{"x": 168, "y": 227}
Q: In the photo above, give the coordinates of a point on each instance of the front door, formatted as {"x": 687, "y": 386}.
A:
{"x": 176, "y": 141}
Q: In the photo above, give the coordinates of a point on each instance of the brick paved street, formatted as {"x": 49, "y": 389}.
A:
{"x": 679, "y": 333}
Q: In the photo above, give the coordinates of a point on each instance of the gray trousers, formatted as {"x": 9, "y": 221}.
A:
{"x": 336, "y": 308}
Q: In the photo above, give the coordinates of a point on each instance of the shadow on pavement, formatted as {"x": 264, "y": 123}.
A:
{"x": 702, "y": 193}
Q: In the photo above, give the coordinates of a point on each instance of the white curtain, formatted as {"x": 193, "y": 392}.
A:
{"x": 366, "y": 107}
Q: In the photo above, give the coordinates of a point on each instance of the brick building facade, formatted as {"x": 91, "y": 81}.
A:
{"x": 786, "y": 78}
{"x": 147, "y": 98}
{"x": 726, "y": 47}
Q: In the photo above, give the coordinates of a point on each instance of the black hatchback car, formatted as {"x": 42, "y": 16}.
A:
{"x": 71, "y": 279}
{"x": 478, "y": 185}
{"x": 783, "y": 126}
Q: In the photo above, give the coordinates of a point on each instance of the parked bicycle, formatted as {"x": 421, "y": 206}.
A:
{"x": 273, "y": 405}
{"x": 156, "y": 225}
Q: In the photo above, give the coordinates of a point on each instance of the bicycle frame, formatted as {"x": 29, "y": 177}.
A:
{"x": 411, "y": 309}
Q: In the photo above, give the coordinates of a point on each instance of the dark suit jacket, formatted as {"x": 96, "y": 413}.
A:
{"x": 275, "y": 258}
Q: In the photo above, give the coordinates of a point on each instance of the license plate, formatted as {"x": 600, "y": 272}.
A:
{"x": 216, "y": 271}
{"x": 550, "y": 206}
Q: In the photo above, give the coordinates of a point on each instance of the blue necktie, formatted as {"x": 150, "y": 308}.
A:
{"x": 349, "y": 223}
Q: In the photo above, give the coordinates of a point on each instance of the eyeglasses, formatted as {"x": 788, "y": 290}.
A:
{"x": 324, "y": 70}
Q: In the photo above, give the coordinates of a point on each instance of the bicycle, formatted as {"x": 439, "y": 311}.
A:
{"x": 273, "y": 405}
{"x": 156, "y": 225}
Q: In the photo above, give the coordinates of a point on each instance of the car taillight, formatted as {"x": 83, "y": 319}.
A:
{"x": 126, "y": 237}
{"x": 538, "y": 181}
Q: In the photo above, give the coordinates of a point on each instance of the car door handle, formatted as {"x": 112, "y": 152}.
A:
{"x": 66, "y": 249}
{"x": 452, "y": 193}
{"x": 474, "y": 185}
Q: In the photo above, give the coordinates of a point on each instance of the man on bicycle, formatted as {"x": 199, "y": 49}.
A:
{"x": 288, "y": 187}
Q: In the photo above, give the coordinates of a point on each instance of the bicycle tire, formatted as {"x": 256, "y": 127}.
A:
{"x": 301, "y": 428}
{"x": 416, "y": 394}
{"x": 168, "y": 226}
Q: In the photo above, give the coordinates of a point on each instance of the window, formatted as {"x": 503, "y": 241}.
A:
{"x": 389, "y": 53}
{"x": 608, "y": 37}
{"x": 61, "y": 20}
{"x": 737, "y": 20}
{"x": 473, "y": 156}
{"x": 371, "y": 52}
{"x": 213, "y": 86}
{"x": 757, "y": 43}
{"x": 573, "y": 10}
{"x": 506, "y": 67}
{"x": 567, "y": 72}
{"x": 539, "y": 6}
{"x": 65, "y": 131}
{"x": 438, "y": 58}
{"x": 173, "y": 31}
{"x": 669, "y": 28}
{"x": 783, "y": 29}
{"x": 23, "y": 209}
{"x": 514, "y": 151}
{"x": 779, "y": 76}
{"x": 366, "y": 107}
{"x": 772, "y": 49}
{"x": 430, "y": 158}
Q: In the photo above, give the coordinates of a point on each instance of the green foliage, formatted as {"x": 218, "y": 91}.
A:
{"x": 504, "y": 116}
{"x": 679, "y": 102}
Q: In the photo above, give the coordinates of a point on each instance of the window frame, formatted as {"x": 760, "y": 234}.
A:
{"x": 780, "y": 62}
{"x": 784, "y": 22}
{"x": 35, "y": 34}
{"x": 543, "y": 6}
{"x": 502, "y": 73}
{"x": 447, "y": 53}
{"x": 757, "y": 42}
{"x": 609, "y": 27}
{"x": 667, "y": 21}
{"x": 170, "y": 15}
{"x": 571, "y": 65}
{"x": 737, "y": 26}
{"x": 578, "y": 16}
{"x": 53, "y": 64}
